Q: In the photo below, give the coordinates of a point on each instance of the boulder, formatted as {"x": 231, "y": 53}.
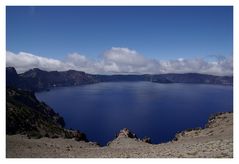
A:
{"x": 146, "y": 140}
{"x": 77, "y": 135}
{"x": 126, "y": 133}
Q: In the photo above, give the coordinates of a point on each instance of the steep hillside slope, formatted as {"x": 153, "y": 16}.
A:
{"x": 26, "y": 115}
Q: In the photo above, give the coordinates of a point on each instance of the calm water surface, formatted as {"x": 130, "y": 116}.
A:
{"x": 148, "y": 109}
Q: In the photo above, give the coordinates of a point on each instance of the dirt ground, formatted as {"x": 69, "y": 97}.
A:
{"x": 215, "y": 141}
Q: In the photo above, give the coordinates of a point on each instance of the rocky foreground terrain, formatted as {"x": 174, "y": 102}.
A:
{"x": 214, "y": 141}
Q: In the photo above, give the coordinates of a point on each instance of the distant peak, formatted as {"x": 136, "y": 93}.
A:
{"x": 11, "y": 69}
{"x": 36, "y": 69}
{"x": 74, "y": 71}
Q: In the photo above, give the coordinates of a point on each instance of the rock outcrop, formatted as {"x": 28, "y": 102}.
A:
{"x": 125, "y": 136}
{"x": 147, "y": 140}
{"x": 126, "y": 133}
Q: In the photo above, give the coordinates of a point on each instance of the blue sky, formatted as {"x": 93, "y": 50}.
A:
{"x": 161, "y": 33}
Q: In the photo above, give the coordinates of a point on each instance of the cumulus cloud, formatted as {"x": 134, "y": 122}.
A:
{"x": 120, "y": 61}
{"x": 24, "y": 61}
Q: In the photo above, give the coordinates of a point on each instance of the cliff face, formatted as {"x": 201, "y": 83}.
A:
{"x": 36, "y": 79}
{"x": 12, "y": 78}
{"x": 26, "y": 115}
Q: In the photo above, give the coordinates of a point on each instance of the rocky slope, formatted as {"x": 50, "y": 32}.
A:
{"x": 36, "y": 79}
{"x": 214, "y": 141}
{"x": 26, "y": 115}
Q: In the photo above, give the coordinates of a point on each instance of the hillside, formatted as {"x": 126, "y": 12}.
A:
{"x": 26, "y": 115}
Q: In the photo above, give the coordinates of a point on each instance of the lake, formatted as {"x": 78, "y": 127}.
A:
{"x": 147, "y": 109}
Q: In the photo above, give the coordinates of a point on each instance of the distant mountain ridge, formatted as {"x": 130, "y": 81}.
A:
{"x": 37, "y": 80}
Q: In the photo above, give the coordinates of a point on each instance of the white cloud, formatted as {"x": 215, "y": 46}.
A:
{"x": 124, "y": 56}
{"x": 24, "y": 61}
{"x": 120, "y": 61}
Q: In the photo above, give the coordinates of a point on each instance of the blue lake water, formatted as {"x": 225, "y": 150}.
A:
{"x": 148, "y": 109}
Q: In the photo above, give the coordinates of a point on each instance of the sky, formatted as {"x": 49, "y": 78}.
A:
{"x": 121, "y": 40}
